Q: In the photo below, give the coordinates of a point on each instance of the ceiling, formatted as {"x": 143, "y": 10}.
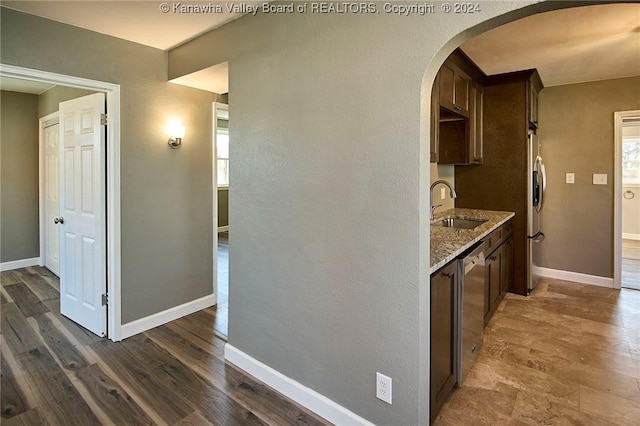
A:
{"x": 213, "y": 79}
{"x": 566, "y": 46}
{"x": 576, "y": 45}
{"x": 144, "y": 22}
{"x": 139, "y": 21}
{"x": 24, "y": 86}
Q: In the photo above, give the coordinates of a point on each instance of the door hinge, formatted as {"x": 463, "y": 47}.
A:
{"x": 105, "y": 299}
{"x": 103, "y": 119}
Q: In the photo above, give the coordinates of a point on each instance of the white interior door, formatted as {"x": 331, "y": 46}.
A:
{"x": 52, "y": 197}
{"x": 82, "y": 212}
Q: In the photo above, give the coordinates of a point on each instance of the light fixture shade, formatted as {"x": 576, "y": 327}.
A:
{"x": 176, "y": 130}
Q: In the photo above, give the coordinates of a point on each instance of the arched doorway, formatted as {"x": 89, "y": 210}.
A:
{"x": 586, "y": 177}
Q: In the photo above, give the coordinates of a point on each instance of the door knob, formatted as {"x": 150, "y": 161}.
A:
{"x": 58, "y": 220}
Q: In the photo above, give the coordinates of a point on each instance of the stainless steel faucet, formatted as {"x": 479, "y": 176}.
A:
{"x": 452, "y": 193}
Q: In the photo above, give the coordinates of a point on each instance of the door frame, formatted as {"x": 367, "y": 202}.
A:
{"x": 41, "y": 184}
{"x": 618, "y": 121}
{"x": 112, "y": 207}
{"x": 214, "y": 135}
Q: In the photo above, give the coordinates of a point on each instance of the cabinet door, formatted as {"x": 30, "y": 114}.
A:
{"x": 475, "y": 124}
{"x": 493, "y": 285}
{"x": 443, "y": 302}
{"x": 507, "y": 266}
{"x": 455, "y": 86}
{"x": 462, "y": 87}
{"x": 435, "y": 119}
{"x": 447, "y": 76}
{"x": 533, "y": 106}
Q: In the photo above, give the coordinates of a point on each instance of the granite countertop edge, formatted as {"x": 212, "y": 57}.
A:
{"x": 449, "y": 243}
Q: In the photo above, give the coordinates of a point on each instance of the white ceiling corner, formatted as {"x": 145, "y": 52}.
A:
{"x": 213, "y": 79}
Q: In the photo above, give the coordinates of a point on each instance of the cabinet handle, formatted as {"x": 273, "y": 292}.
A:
{"x": 492, "y": 258}
{"x": 447, "y": 275}
{"x": 458, "y": 108}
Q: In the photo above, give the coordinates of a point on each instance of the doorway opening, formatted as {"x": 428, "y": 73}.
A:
{"x": 627, "y": 140}
{"x": 109, "y": 198}
{"x": 221, "y": 216}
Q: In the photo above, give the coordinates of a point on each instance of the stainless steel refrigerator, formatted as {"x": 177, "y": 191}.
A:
{"x": 536, "y": 187}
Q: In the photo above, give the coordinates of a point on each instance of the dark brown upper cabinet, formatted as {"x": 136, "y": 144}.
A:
{"x": 456, "y": 112}
{"x": 454, "y": 89}
{"x": 475, "y": 144}
{"x": 534, "y": 86}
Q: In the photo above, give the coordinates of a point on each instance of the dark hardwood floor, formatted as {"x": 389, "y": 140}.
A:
{"x": 55, "y": 372}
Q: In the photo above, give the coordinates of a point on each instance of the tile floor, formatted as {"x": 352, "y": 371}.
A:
{"x": 569, "y": 355}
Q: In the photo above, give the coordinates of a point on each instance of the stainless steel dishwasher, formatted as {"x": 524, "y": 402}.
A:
{"x": 471, "y": 270}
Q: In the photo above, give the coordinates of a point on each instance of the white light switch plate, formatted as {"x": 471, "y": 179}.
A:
{"x": 443, "y": 193}
{"x": 599, "y": 179}
{"x": 571, "y": 178}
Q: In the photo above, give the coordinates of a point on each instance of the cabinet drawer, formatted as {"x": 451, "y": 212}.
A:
{"x": 494, "y": 238}
{"x": 507, "y": 229}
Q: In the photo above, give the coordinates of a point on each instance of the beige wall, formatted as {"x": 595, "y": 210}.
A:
{"x": 576, "y": 131}
{"x": 444, "y": 172}
{"x": 166, "y": 195}
{"x": 19, "y": 176}
{"x": 223, "y": 207}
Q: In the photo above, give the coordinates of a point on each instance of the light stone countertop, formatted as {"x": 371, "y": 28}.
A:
{"x": 449, "y": 243}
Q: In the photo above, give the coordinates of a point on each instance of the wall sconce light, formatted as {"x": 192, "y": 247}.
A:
{"x": 176, "y": 133}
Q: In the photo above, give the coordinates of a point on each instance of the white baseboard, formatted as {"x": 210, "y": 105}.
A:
{"x": 223, "y": 228}
{"x": 23, "y": 263}
{"x": 627, "y": 236}
{"x": 299, "y": 393}
{"x": 155, "y": 320}
{"x": 573, "y": 276}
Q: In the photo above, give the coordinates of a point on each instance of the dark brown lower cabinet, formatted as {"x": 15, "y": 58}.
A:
{"x": 493, "y": 283}
{"x": 498, "y": 269}
{"x": 499, "y": 272}
{"x": 443, "y": 311}
{"x": 507, "y": 265}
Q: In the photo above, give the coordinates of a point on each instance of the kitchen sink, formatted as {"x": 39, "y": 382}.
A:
{"x": 458, "y": 222}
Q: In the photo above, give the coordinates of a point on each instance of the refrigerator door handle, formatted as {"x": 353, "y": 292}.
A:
{"x": 544, "y": 183}
{"x": 538, "y": 238}
{"x": 539, "y": 167}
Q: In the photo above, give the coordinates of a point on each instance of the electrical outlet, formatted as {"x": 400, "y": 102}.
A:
{"x": 443, "y": 193}
{"x": 571, "y": 178}
{"x": 383, "y": 388}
